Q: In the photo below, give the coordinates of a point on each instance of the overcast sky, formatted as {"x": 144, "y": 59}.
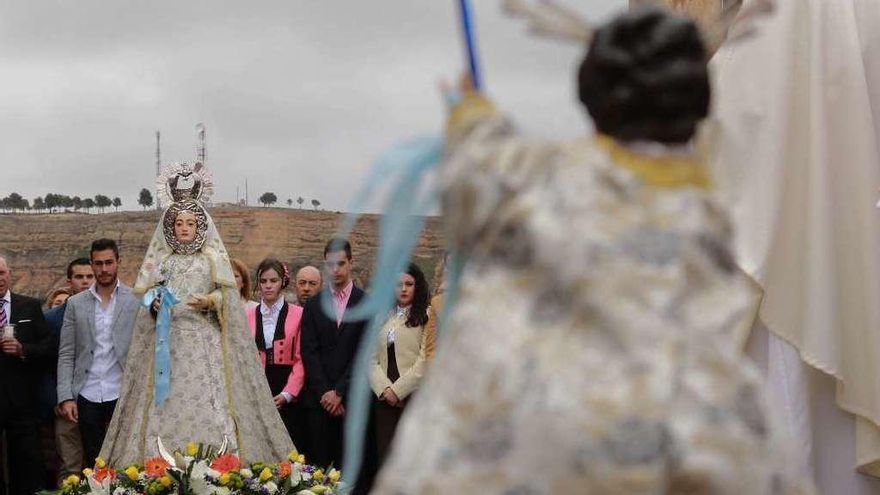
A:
{"x": 298, "y": 96}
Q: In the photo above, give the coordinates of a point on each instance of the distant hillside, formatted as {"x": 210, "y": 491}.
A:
{"x": 39, "y": 247}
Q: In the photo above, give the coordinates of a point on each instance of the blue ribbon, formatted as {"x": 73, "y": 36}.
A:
{"x": 162, "y": 370}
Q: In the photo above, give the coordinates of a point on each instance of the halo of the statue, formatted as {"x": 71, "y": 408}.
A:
{"x": 182, "y": 180}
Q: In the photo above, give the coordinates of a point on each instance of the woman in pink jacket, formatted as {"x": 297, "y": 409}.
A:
{"x": 275, "y": 326}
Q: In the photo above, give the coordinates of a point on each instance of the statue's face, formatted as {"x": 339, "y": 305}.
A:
{"x": 185, "y": 227}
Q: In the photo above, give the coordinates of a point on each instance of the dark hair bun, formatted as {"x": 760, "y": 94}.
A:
{"x": 645, "y": 77}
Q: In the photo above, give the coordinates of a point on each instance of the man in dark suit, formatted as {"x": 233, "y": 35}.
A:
{"x": 26, "y": 346}
{"x": 329, "y": 345}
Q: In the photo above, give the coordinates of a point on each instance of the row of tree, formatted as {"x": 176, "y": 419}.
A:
{"x": 53, "y": 202}
{"x": 269, "y": 199}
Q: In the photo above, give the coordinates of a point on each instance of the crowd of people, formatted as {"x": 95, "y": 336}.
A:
{"x": 62, "y": 369}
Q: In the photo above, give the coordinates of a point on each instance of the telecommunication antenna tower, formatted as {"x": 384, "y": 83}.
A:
{"x": 158, "y": 155}
{"x": 201, "y": 152}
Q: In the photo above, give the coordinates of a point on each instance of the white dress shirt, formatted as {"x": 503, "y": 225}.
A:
{"x": 402, "y": 314}
{"x": 270, "y": 320}
{"x": 105, "y": 374}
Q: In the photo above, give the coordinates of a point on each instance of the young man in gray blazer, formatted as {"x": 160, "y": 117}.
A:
{"x": 94, "y": 344}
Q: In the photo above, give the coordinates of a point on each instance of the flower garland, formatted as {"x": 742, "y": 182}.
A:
{"x": 204, "y": 470}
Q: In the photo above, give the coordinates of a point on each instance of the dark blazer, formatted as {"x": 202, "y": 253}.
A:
{"x": 328, "y": 350}
{"x": 20, "y": 378}
{"x": 48, "y": 393}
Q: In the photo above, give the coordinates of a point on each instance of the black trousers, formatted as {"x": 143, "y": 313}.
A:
{"x": 94, "y": 418}
{"x": 326, "y": 437}
{"x": 294, "y": 417}
{"x": 386, "y": 416}
{"x": 26, "y": 468}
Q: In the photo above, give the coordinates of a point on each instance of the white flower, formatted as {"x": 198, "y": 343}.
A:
{"x": 296, "y": 473}
{"x": 120, "y": 491}
{"x": 247, "y": 473}
{"x": 271, "y": 487}
{"x": 220, "y": 490}
{"x": 99, "y": 488}
{"x": 197, "y": 478}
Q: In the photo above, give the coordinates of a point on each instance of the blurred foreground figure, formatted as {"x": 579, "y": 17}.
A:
{"x": 592, "y": 349}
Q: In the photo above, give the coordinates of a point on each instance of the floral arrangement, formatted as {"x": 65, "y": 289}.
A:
{"x": 204, "y": 470}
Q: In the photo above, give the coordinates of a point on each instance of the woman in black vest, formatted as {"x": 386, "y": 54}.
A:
{"x": 275, "y": 325}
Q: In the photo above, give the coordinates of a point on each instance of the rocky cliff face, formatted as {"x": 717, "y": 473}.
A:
{"x": 38, "y": 247}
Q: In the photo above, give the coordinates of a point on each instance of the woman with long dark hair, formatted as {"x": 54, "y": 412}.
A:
{"x": 400, "y": 357}
{"x": 274, "y": 325}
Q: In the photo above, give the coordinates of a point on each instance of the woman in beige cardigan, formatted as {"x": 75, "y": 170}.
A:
{"x": 400, "y": 358}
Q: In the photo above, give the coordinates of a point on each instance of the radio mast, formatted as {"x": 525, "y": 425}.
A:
{"x": 158, "y": 155}
{"x": 201, "y": 152}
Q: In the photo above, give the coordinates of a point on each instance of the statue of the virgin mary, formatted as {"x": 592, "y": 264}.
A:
{"x": 193, "y": 375}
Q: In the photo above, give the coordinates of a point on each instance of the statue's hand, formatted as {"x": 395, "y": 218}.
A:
{"x": 200, "y": 302}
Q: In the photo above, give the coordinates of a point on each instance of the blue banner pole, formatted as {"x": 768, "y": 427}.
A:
{"x": 467, "y": 31}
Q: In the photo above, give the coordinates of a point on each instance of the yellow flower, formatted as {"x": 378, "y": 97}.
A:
{"x": 71, "y": 480}
{"x": 132, "y": 473}
{"x": 100, "y": 462}
{"x": 293, "y": 455}
{"x": 192, "y": 448}
{"x": 224, "y": 479}
{"x": 334, "y": 475}
{"x": 301, "y": 459}
{"x": 319, "y": 489}
{"x": 318, "y": 475}
{"x": 265, "y": 474}
{"x": 165, "y": 480}
{"x": 87, "y": 472}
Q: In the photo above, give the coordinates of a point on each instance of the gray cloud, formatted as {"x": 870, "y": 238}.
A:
{"x": 298, "y": 96}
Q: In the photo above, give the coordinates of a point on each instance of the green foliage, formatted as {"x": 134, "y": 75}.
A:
{"x": 102, "y": 201}
{"x": 14, "y": 202}
{"x": 145, "y": 198}
{"x": 268, "y": 198}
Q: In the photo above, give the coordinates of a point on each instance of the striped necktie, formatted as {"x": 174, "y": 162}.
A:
{"x": 3, "y": 318}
